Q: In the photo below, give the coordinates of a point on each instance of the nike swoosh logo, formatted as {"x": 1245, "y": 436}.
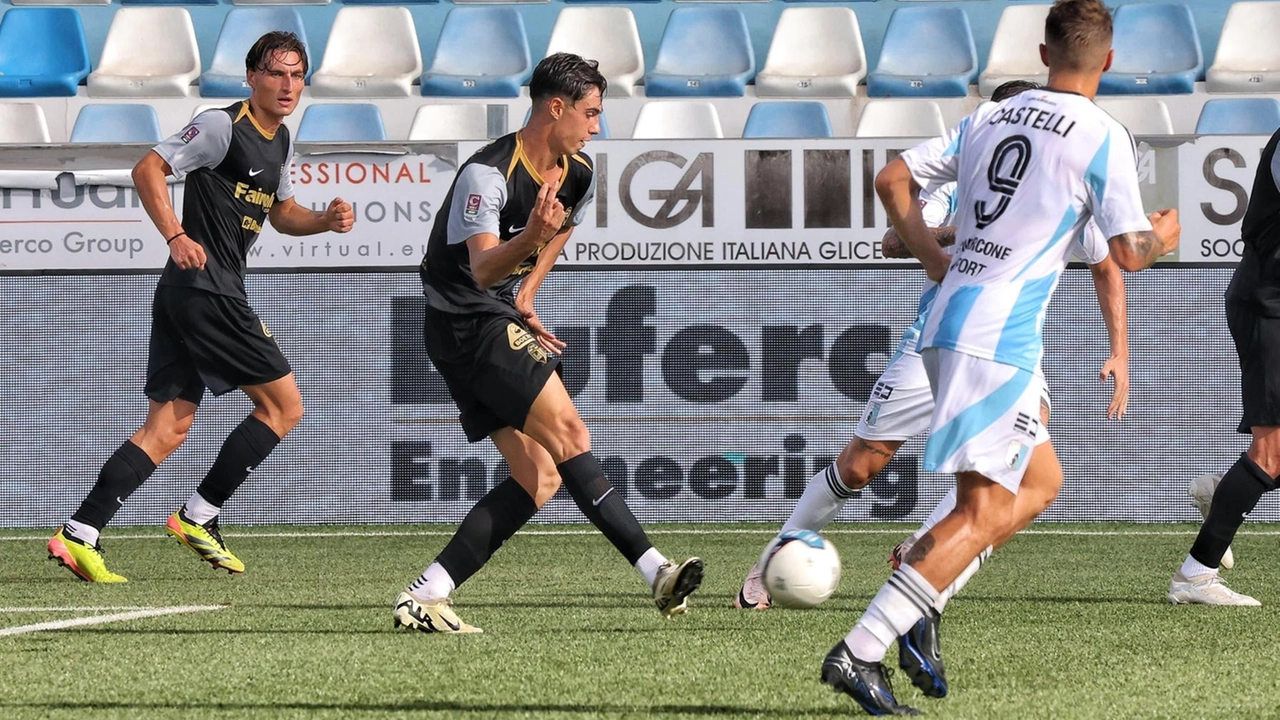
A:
{"x": 254, "y": 172}
{"x": 596, "y": 502}
{"x": 516, "y": 230}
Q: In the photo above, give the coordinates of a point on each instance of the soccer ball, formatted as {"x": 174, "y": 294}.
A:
{"x": 800, "y": 569}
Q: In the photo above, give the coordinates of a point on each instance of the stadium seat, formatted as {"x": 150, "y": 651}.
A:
{"x": 926, "y": 52}
{"x": 23, "y": 123}
{"x": 296, "y": 2}
{"x": 473, "y": 2}
{"x": 815, "y": 52}
{"x": 42, "y": 52}
{"x": 900, "y": 118}
{"x": 704, "y": 51}
{"x": 796, "y": 119}
{"x": 1239, "y": 116}
{"x": 372, "y": 52}
{"x": 61, "y": 2}
{"x": 1015, "y": 48}
{"x": 1157, "y": 51}
{"x": 168, "y": 2}
{"x": 604, "y": 123}
{"x": 117, "y": 123}
{"x": 201, "y": 108}
{"x": 341, "y": 122}
{"x": 1248, "y": 58}
{"x": 483, "y": 52}
{"x": 149, "y": 52}
{"x": 448, "y": 122}
{"x": 1143, "y": 116}
{"x": 604, "y": 34}
{"x": 241, "y": 27}
{"x": 677, "y": 120}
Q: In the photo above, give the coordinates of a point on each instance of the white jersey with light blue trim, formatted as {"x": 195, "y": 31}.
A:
{"x": 1030, "y": 172}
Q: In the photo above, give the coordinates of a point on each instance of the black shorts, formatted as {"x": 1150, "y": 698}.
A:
{"x": 201, "y": 340}
{"x": 493, "y": 366}
{"x": 1257, "y": 340}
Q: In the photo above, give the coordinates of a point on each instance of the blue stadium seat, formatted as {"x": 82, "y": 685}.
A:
{"x": 341, "y": 122}
{"x": 926, "y": 52}
{"x": 1239, "y": 116}
{"x": 705, "y": 51}
{"x": 169, "y": 2}
{"x": 42, "y": 52}
{"x": 391, "y": 2}
{"x": 1157, "y": 51}
{"x": 799, "y": 119}
{"x": 483, "y": 52}
{"x": 241, "y": 27}
{"x": 117, "y": 123}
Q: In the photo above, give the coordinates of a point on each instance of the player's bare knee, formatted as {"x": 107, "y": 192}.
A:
{"x": 574, "y": 438}
{"x": 860, "y": 462}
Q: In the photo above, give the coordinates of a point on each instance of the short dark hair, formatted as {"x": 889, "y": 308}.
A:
{"x": 1077, "y": 33}
{"x": 566, "y": 75}
{"x": 1013, "y": 87}
{"x": 276, "y": 41}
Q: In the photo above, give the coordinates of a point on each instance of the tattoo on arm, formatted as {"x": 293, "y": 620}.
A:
{"x": 920, "y": 550}
{"x": 945, "y": 235}
{"x": 1145, "y": 245}
{"x": 891, "y": 245}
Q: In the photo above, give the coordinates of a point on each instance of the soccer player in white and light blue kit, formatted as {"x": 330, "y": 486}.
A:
{"x": 1031, "y": 171}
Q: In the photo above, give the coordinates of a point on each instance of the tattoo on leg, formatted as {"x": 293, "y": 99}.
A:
{"x": 874, "y": 449}
{"x": 920, "y": 550}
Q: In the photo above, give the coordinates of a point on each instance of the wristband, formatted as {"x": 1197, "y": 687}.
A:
{"x": 175, "y": 237}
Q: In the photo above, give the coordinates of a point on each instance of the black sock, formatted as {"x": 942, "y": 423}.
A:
{"x": 249, "y": 444}
{"x": 124, "y": 472}
{"x": 603, "y": 506}
{"x": 499, "y": 514}
{"x": 1235, "y": 497}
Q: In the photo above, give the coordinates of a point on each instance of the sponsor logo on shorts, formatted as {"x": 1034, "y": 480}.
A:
{"x": 189, "y": 134}
{"x": 265, "y": 330}
{"x": 521, "y": 339}
{"x": 881, "y": 392}
{"x": 1016, "y": 454}
{"x": 873, "y": 414}
{"x": 472, "y": 209}
{"x": 1024, "y": 423}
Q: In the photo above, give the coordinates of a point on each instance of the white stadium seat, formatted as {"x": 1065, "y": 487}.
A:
{"x": 908, "y": 117}
{"x": 1143, "y": 116}
{"x": 23, "y": 123}
{"x": 1248, "y": 58}
{"x": 816, "y": 52}
{"x": 371, "y": 52}
{"x": 677, "y": 120}
{"x": 149, "y": 52}
{"x": 450, "y": 121}
{"x": 605, "y": 34}
{"x": 1015, "y": 48}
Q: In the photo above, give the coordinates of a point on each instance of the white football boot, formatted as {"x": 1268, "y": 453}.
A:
{"x": 1207, "y": 589}
{"x": 753, "y": 595}
{"x": 1201, "y": 492}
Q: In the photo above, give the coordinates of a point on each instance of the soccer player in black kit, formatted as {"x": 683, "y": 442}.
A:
{"x": 1253, "y": 318}
{"x": 204, "y": 335}
{"x": 504, "y": 222}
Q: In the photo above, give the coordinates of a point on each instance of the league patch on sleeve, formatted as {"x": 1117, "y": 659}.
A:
{"x": 190, "y": 134}
{"x": 473, "y": 206}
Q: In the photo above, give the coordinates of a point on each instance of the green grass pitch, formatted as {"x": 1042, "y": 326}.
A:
{"x": 1055, "y": 626}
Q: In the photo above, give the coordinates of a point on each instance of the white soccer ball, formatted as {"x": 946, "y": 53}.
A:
{"x": 800, "y": 569}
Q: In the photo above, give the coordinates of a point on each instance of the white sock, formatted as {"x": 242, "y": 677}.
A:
{"x": 899, "y": 605}
{"x": 649, "y": 563}
{"x": 435, "y": 584}
{"x": 1194, "y": 568}
{"x": 950, "y": 591}
{"x": 943, "y": 509}
{"x": 87, "y": 534}
{"x": 200, "y": 511}
{"x": 822, "y": 500}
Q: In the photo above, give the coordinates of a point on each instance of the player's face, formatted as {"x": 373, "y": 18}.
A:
{"x": 580, "y": 122}
{"x": 278, "y": 85}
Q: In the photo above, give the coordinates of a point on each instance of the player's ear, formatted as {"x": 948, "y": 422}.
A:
{"x": 1044, "y": 54}
{"x": 555, "y": 106}
{"x": 1111, "y": 55}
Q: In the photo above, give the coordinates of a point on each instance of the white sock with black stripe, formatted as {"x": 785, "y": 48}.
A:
{"x": 822, "y": 500}
{"x": 950, "y": 591}
{"x": 899, "y": 605}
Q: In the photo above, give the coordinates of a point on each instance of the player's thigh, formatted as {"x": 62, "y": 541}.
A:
{"x": 986, "y": 418}
{"x": 554, "y": 422}
{"x": 1039, "y": 488}
{"x": 531, "y": 465}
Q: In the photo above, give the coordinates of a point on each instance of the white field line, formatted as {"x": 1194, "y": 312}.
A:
{"x": 100, "y": 619}
{"x": 75, "y": 608}
{"x": 701, "y": 531}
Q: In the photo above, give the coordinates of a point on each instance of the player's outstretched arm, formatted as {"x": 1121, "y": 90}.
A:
{"x": 290, "y": 218}
{"x": 153, "y": 190}
{"x": 493, "y": 260}
{"x": 1136, "y": 251}
{"x": 891, "y": 246}
{"x": 900, "y": 194}
{"x": 1108, "y": 281}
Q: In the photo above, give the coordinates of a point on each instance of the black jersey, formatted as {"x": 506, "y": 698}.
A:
{"x": 1256, "y": 281}
{"x": 235, "y": 171}
{"x": 494, "y": 193}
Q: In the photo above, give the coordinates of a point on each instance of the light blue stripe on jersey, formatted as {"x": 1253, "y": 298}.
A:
{"x": 954, "y": 315}
{"x": 1063, "y": 232}
{"x": 948, "y": 439}
{"x": 911, "y": 336}
{"x": 954, "y": 147}
{"x": 1096, "y": 174}
{"x": 1021, "y": 340}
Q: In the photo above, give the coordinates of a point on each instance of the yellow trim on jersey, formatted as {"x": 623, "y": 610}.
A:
{"x": 519, "y": 157}
{"x": 582, "y": 160}
{"x": 244, "y": 112}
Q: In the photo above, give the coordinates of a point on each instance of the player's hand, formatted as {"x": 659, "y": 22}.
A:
{"x": 548, "y": 215}
{"x": 1118, "y": 369}
{"x": 187, "y": 253}
{"x": 1166, "y": 225}
{"x": 545, "y": 337}
{"x": 339, "y": 216}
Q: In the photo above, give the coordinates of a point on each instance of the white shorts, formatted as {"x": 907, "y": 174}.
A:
{"x": 901, "y": 403}
{"x": 986, "y": 417}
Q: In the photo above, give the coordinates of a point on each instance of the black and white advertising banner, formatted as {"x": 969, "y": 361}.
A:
{"x": 1215, "y": 177}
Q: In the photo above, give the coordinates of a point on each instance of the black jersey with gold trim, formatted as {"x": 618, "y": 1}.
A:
{"x": 235, "y": 171}
{"x": 494, "y": 193}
